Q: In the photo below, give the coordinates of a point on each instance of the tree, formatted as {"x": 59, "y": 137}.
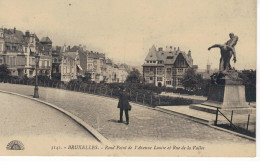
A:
{"x": 191, "y": 80}
{"x": 86, "y": 78}
{"x": 249, "y": 80}
{"x": 134, "y": 76}
{"x": 4, "y": 71}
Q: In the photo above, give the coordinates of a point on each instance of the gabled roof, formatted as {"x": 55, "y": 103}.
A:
{"x": 72, "y": 55}
{"x": 151, "y": 54}
{"x": 108, "y": 61}
{"x": 46, "y": 40}
{"x": 168, "y": 57}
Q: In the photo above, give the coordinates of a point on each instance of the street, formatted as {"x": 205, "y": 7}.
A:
{"x": 23, "y": 117}
{"x": 146, "y": 125}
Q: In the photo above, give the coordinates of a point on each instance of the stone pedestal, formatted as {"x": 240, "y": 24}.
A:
{"x": 229, "y": 93}
{"x": 226, "y": 92}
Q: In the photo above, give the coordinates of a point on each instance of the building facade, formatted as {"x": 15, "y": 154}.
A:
{"x": 166, "y": 67}
{"x": 65, "y": 65}
{"x": 18, "y": 51}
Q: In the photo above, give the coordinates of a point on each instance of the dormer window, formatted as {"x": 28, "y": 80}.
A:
{"x": 154, "y": 61}
{"x": 160, "y": 62}
{"x": 147, "y": 61}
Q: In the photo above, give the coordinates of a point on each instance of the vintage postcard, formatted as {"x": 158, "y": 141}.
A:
{"x": 154, "y": 78}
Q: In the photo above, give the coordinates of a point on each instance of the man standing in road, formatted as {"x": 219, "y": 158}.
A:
{"x": 124, "y": 105}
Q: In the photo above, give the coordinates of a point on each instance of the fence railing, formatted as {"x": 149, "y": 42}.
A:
{"x": 141, "y": 96}
{"x": 241, "y": 122}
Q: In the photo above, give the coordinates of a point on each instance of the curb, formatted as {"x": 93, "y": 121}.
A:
{"x": 205, "y": 122}
{"x": 100, "y": 138}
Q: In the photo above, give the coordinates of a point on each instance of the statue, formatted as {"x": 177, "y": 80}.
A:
{"x": 226, "y": 54}
{"x": 232, "y": 43}
{"x": 227, "y": 50}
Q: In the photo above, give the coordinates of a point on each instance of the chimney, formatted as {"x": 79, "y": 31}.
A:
{"x": 189, "y": 53}
{"x": 174, "y": 48}
{"x": 27, "y": 33}
{"x": 178, "y": 48}
{"x": 14, "y": 29}
{"x": 68, "y": 48}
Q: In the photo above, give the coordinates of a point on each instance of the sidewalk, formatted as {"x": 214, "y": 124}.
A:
{"x": 201, "y": 98}
{"x": 146, "y": 125}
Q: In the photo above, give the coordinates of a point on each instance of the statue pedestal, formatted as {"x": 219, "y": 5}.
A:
{"x": 228, "y": 93}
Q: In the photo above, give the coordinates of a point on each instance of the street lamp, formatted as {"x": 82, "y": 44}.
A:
{"x": 36, "y": 94}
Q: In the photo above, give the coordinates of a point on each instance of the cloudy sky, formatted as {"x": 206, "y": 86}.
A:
{"x": 126, "y": 29}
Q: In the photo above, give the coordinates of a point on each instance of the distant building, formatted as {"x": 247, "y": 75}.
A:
{"x": 65, "y": 65}
{"x": 166, "y": 67}
{"x": 206, "y": 73}
{"x": 18, "y": 50}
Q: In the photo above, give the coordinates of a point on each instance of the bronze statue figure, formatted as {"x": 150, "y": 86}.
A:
{"x": 232, "y": 43}
{"x": 227, "y": 50}
{"x": 226, "y": 54}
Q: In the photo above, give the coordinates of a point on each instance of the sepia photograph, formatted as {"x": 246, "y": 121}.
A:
{"x": 136, "y": 78}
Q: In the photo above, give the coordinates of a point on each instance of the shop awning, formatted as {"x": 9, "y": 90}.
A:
{"x": 79, "y": 67}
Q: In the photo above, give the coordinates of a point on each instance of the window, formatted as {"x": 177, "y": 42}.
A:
{"x": 180, "y": 70}
{"x": 179, "y": 81}
{"x": 147, "y": 61}
{"x": 146, "y": 70}
{"x": 160, "y": 71}
{"x": 151, "y": 61}
{"x": 160, "y": 62}
{"x": 1, "y": 61}
{"x": 174, "y": 81}
{"x": 7, "y": 47}
{"x": 168, "y": 82}
{"x": 174, "y": 71}
{"x": 151, "y": 78}
{"x": 159, "y": 78}
{"x": 154, "y": 61}
{"x": 169, "y": 70}
{"x": 25, "y": 50}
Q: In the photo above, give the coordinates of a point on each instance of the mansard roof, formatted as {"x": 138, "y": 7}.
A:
{"x": 13, "y": 36}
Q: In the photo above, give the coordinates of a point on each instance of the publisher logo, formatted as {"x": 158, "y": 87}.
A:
{"x": 15, "y": 145}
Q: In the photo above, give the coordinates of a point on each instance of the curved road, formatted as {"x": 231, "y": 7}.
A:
{"x": 21, "y": 117}
{"x": 145, "y": 124}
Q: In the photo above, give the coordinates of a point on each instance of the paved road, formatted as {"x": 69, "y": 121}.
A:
{"x": 145, "y": 124}
{"x": 23, "y": 117}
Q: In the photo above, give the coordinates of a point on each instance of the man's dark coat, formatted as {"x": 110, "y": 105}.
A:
{"x": 123, "y": 101}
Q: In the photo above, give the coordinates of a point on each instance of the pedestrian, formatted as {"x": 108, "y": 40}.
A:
{"x": 124, "y": 105}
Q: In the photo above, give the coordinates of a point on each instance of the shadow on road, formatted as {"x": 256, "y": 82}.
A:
{"x": 113, "y": 120}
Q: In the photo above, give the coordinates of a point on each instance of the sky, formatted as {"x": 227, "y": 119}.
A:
{"x": 126, "y": 29}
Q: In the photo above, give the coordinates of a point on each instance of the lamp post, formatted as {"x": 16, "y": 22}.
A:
{"x": 36, "y": 94}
